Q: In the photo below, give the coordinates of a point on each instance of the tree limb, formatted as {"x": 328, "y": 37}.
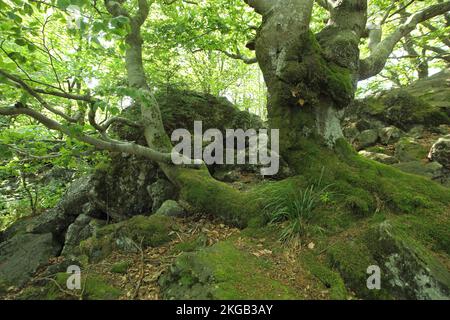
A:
{"x": 239, "y": 56}
{"x": 261, "y": 6}
{"x": 35, "y": 95}
{"x": 125, "y": 147}
{"x": 376, "y": 61}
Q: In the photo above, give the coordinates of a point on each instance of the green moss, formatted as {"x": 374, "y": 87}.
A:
{"x": 352, "y": 258}
{"x": 192, "y": 245}
{"x": 328, "y": 277}
{"x": 209, "y": 195}
{"x": 223, "y": 272}
{"x": 95, "y": 288}
{"x": 129, "y": 235}
{"x": 404, "y": 109}
{"x": 121, "y": 267}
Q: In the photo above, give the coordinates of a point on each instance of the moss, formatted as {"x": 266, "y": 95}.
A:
{"x": 192, "y": 245}
{"x": 407, "y": 149}
{"x": 121, "y": 267}
{"x": 209, "y": 195}
{"x": 328, "y": 277}
{"x": 223, "y": 272}
{"x": 410, "y": 270}
{"x": 129, "y": 235}
{"x": 352, "y": 258}
{"x": 95, "y": 288}
{"x": 357, "y": 205}
{"x": 403, "y": 109}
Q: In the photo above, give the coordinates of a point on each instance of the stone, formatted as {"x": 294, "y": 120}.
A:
{"x": 430, "y": 170}
{"x": 366, "y": 138}
{"x": 83, "y": 228}
{"x": 121, "y": 189}
{"x": 408, "y": 149}
{"x": 408, "y": 271}
{"x": 171, "y": 208}
{"x": 389, "y": 135}
{"x": 22, "y": 255}
{"x": 416, "y": 132}
{"x": 55, "y": 220}
{"x": 379, "y": 157}
{"x": 160, "y": 191}
{"x": 440, "y": 152}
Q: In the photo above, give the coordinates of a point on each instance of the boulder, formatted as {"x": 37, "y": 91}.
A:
{"x": 120, "y": 189}
{"x": 440, "y": 152}
{"x": 409, "y": 272}
{"x": 430, "y": 170}
{"x": 22, "y": 255}
{"x": 380, "y": 157}
{"x": 160, "y": 191}
{"x": 408, "y": 149}
{"x": 416, "y": 132}
{"x": 83, "y": 228}
{"x": 57, "y": 219}
{"x": 366, "y": 138}
{"x": 171, "y": 208}
{"x": 128, "y": 236}
{"x": 389, "y": 135}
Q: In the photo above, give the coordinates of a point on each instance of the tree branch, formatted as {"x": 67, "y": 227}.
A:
{"x": 376, "y": 61}
{"x": 125, "y": 147}
{"x": 239, "y": 56}
{"x": 35, "y": 95}
{"x": 261, "y": 6}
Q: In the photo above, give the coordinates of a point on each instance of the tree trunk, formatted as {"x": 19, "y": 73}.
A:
{"x": 310, "y": 78}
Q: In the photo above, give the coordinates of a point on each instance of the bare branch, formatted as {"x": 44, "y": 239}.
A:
{"x": 239, "y": 56}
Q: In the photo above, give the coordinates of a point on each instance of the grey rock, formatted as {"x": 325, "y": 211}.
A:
{"x": 22, "y": 255}
{"x": 83, "y": 228}
{"x": 430, "y": 170}
{"x": 408, "y": 272}
{"x": 160, "y": 191}
{"x": 57, "y": 219}
{"x": 408, "y": 149}
{"x": 171, "y": 208}
{"x": 366, "y": 139}
{"x": 389, "y": 135}
{"x": 379, "y": 157}
{"x": 440, "y": 152}
{"x": 121, "y": 191}
{"x": 416, "y": 132}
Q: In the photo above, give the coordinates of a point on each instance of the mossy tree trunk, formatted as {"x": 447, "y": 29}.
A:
{"x": 310, "y": 77}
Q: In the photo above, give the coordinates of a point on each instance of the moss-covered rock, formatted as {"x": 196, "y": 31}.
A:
{"x": 222, "y": 272}
{"x": 408, "y": 149}
{"x": 129, "y": 236}
{"x": 430, "y": 170}
{"x": 121, "y": 267}
{"x": 330, "y": 278}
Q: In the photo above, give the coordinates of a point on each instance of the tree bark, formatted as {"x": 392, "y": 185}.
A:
{"x": 310, "y": 78}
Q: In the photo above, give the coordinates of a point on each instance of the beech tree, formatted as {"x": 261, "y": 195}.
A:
{"x": 311, "y": 76}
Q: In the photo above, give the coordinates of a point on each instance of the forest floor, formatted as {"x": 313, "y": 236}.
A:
{"x": 136, "y": 274}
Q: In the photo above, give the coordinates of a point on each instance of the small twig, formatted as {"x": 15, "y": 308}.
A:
{"x": 141, "y": 272}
